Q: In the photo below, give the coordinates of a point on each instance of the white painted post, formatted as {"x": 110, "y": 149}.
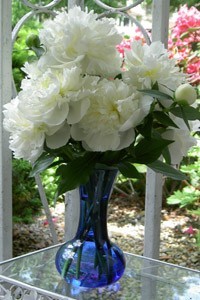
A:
{"x": 44, "y": 201}
{"x": 160, "y": 21}
{"x": 154, "y": 181}
{"x": 5, "y": 154}
{"x": 72, "y": 212}
{"x": 153, "y": 206}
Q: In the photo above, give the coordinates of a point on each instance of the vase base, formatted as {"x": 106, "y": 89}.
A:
{"x": 74, "y": 291}
{"x": 96, "y": 268}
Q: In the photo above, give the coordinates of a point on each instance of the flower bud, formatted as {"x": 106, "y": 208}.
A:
{"x": 33, "y": 41}
{"x": 185, "y": 94}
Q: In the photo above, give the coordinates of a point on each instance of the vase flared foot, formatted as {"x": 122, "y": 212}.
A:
{"x": 89, "y": 267}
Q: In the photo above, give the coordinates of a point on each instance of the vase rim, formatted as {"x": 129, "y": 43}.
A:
{"x": 100, "y": 166}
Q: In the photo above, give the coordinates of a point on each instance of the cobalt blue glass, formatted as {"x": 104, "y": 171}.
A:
{"x": 91, "y": 260}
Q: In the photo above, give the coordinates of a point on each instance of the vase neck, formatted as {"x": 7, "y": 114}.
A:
{"x": 94, "y": 196}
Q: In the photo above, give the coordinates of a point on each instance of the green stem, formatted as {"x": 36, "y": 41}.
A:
{"x": 66, "y": 267}
{"x": 79, "y": 261}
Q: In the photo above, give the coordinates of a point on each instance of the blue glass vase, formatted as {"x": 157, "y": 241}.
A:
{"x": 91, "y": 260}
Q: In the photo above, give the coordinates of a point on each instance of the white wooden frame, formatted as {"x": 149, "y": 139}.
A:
{"x": 5, "y": 154}
{"x": 154, "y": 181}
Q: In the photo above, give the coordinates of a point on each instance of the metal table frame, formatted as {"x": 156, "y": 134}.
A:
{"x": 33, "y": 276}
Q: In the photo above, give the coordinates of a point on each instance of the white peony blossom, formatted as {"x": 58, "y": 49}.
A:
{"x": 54, "y": 96}
{"x": 26, "y": 137}
{"x": 147, "y": 65}
{"x": 41, "y": 100}
{"x": 78, "y": 38}
{"x": 109, "y": 123}
{"x": 183, "y": 141}
{"x": 13, "y": 117}
{"x": 182, "y": 138}
{"x": 26, "y": 140}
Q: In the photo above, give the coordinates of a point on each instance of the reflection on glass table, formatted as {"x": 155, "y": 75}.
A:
{"x": 144, "y": 279}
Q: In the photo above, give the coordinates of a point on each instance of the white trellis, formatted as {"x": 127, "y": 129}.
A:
{"x": 154, "y": 181}
{"x": 5, "y": 154}
{"x": 153, "y": 200}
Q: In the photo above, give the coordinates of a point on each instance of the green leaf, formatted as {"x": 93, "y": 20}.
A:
{"x": 187, "y": 197}
{"x": 111, "y": 157}
{"x": 185, "y": 117}
{"x": 164, "y": 119}
{"x": 42, "y": 163}
{"x": 75, "y": 173}
{"x": 190, "y": 112}
{"x": 145, "y": 129}
{"x": 166, "y": 155}
{"x": 167, "y": 170}
{"x": 156, "y": 94}
{"x": 174, "y": 199}
{"x": 147, "y": 151}
{"x": 128, "y": 170}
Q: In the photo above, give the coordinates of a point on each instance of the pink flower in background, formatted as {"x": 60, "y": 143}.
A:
{"x": 186, "y": 19}
{"x": 184, "y": 42}
{"x": 193, "y": 69}
{"x": 125, "y": 44}
{"x": 138, "y": 35}
{"x": 54, "y": 219}
{"x": 190, "y": 230}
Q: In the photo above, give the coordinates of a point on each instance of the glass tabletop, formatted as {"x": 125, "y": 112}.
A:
{"x": 144, "y": 279}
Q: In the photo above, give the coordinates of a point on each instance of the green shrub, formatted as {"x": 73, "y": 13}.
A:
{"x": 189, "y": 195}
{"x": 21, "y": 53}
{"x": 50, "y": 185}
{"x": 26, "y": 200}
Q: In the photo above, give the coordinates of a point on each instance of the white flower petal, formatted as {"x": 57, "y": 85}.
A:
{"x": 126, "y": 138}
{"x": 183, "y": 141}
{"x": 57, "y": 116}
{"x": 103, "y": 143}
{"x": 59, "y": 138}
{"x": 77, "y": 133}
{"x": 77, "y": 110}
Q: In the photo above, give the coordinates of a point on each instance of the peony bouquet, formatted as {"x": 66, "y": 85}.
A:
{"x": 82, "y": 104}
